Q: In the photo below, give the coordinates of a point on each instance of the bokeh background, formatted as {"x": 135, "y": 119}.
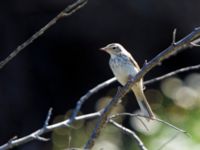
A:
{"x": 63, "y": 64}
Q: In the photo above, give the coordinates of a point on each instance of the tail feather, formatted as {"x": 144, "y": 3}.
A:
{"x": 144, "y": 105}
{"x": 145, "y": 108}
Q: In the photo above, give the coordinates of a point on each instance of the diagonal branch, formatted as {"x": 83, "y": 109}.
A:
{"x": 195, "y": 67}
{"x": 66, "y": 12}
{"x": 168, "y": 52}
{"x": 132, "y": 133}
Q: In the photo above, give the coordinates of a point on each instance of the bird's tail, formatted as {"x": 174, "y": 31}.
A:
{"x": 143, "y": 103}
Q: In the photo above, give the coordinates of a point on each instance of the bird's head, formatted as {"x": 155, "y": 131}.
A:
{"x": 113, "y": 49}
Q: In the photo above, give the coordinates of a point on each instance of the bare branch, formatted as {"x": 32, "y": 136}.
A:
{"x": 46, "y": 123}
{"x": 172, "y": 74}
{"x": 156, "y": 119}
{"x": 102, "y": 121}
{"x": 87, "y": 96}
{"x": 129, "y": 132}
{"x": 168, "y": 52}
{"x": 37, "y": 134}
{"x": 66, "y": 12}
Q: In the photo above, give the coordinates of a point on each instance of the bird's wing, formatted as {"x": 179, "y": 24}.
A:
{"x": 134, "y": 62}
{"x": 137, "y": 66}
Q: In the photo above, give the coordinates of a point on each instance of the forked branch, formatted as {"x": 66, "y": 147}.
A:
{"x": 14, "y": 142}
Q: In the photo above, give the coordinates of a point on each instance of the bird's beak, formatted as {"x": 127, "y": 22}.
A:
{"x": 103, "y": 49}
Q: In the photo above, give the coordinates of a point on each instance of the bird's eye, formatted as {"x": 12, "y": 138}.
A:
{"x": 114, "y": 47}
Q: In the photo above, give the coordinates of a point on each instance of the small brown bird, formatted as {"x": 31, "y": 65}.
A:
{"x": 123, "y": 66}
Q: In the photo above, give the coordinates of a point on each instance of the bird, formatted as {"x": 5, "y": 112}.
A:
{"x": 124, "y": 66}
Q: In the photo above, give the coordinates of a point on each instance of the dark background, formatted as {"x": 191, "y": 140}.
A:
{"x": 65, "y": 62}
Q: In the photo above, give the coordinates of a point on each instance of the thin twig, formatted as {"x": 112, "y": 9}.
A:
{"x": 37, "y": 134}
{"x": 156, "y": 119}
{"x": 142, "y": 122}
{"x": 167, "y": 142}
{"x": 172, "y": 74}
{"x": 174, "y": 36}
{"x": 168, "y": 52}
{"x": 172, "y": 126}
{"x": 132, "y": 133}
{"x": 46, "y": 123}
{"x": 66, "y": 12}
